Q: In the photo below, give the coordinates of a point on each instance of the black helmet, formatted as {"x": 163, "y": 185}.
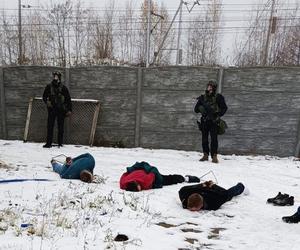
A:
{"x": 57, "y": 73}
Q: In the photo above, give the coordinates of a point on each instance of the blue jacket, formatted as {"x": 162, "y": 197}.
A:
{"x": 158, "y": 182}
{"x": 79, "y": 163}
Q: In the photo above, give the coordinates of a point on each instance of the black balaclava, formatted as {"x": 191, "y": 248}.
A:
{"x": 214, "y": 87}
{"x": 55, "y": 81}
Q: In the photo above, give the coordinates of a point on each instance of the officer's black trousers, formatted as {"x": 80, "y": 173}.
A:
{"x": 54, "y": 114}
{"x": 209, "y": 127}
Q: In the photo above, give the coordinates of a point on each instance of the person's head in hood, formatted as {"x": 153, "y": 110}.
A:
{"x": 56, "y": 78}
{"x": 211, "y": 87}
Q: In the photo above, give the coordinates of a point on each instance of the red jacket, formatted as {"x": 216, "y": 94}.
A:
{"x": 140, "y": 176}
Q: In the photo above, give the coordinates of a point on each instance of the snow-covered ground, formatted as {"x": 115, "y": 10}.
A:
{"x": 74, "y": 215}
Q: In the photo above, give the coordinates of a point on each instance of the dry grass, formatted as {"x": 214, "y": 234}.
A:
{"x": 4, "y": 165}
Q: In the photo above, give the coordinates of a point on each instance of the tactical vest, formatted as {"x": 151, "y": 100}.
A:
{"x": 56, "y": 96}
{"x": 211, "y": 100}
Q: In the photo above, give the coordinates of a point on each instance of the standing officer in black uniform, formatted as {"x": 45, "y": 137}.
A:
{"x": 57, "y": 98}
{"x": 212, "y": 106}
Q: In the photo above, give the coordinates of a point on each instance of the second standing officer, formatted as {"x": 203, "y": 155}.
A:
{"x": 211, "y": 106}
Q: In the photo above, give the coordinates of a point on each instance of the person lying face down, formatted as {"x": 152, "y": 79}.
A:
{"x": 80, "y": 167}
{"x": 143, "y": 176}
{"x": 207, "y": 196}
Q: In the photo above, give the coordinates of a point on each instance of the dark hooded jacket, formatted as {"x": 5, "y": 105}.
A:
{"x": 57, "y": 96}
{"x": 211, "y": 106}
{"x": 213, "y": 197}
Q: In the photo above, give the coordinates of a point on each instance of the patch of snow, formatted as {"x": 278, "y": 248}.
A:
{"x": 69, "y": 214}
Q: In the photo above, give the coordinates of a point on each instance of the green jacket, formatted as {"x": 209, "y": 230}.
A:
{"x": 158, "y": 182}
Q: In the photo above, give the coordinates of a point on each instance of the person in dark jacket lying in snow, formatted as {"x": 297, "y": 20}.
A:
{"x": 80, "y": 167}
{"x": 207, "y": 196}
{"x": 143, "y": 176}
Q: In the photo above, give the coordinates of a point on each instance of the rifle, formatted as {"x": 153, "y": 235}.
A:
{"x": 209, "y": 112}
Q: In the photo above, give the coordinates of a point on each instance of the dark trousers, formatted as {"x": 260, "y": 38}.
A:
{"x": 172, "y": 179}
{"x": 209, "y": 127}
{"x": 235, "y": 190}
{"x": 54, "y": 114}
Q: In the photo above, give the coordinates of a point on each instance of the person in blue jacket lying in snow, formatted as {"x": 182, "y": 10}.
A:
{"x": 80, "y": 167}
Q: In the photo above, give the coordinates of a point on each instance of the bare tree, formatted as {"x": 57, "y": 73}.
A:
{"x": 79, "y": 29}
{"x": 37, "y": 39}
{"x": 102, "y": 34}
{"x": 284, "y": 37}
{"x": 204, "y": 36}
{"x": 159, "y": 24}
{"x": 251, "y": 52}
{"x": 162, "y": 22}
{"x": 9, "y": 41}
{"x": 142, "y": 32}
{"x": 60, "y": 16}
{"x": 126, "y": 37}
{"x": 286, "y": 44}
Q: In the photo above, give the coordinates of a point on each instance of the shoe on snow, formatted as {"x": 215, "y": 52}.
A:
{"x": 288, "y": 201}
{"x": 278, "y": 196}
{"x": 204, "y": 157}
{"x": 192, "y": 179}
{"x": 215, "y": 159}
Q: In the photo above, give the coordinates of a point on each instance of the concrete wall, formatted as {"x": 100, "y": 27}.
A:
{"x": 153, "y": 107}
{"x": 168, "y": 100}
{"x": 264, "y": 110}
{"x": 115, "y": 87}
{"x": 21, "y": 83}
{"x": 2, "y": 105}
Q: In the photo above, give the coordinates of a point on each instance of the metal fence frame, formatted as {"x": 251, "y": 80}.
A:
{"x": 94, "y": 119}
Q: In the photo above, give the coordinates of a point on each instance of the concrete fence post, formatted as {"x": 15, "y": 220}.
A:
{"x": 67, "y": 77}
{"x": 138, "y": 111}
{"x": 297, "y": 149}
{"x": 2, "y": 104}
{"x": 68, "y": 119}
{"x": 220, "y": 80}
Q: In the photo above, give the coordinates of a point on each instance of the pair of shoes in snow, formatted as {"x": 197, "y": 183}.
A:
{"x": 282, "y": 200}
{"x": 295, "y": 218}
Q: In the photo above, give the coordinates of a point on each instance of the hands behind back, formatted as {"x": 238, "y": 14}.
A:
{"x": 208, "y": 184}
{"x": 68, "y": 161}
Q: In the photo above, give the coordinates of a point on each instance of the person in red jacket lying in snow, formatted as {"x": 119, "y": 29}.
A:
{"x": 143, "y": 176}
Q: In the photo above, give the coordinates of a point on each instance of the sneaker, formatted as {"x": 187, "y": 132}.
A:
{"x": 288, "y": 201}
{"x": 204, "y": 157}
{"x": 47, "y": 146}
{"x": 246, "y": 191}
{"x": 295, "y": 218}
{"x": 278, "y": 196}
{"x": 240, "y": 187}
{"x": 192, "y": 179}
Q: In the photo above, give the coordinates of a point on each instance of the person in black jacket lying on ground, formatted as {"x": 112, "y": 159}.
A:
{"x": 207, "y": 195}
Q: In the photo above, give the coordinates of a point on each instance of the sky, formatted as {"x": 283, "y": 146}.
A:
{"x": 234, "y": 15}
